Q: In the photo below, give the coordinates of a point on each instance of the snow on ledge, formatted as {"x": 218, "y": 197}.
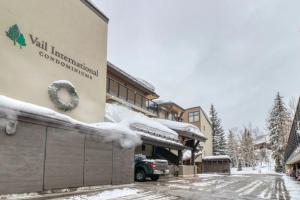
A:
{"x": 111, "y": 131}
{"x": 137, "y": 121}
{"x": 219, "y": 157}
{"x": 181, "y": 126}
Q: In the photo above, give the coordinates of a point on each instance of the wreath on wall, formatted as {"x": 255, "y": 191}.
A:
{"x": 53, "y": 90}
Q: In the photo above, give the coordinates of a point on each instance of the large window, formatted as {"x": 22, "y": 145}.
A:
{"x": 194, "y": 117}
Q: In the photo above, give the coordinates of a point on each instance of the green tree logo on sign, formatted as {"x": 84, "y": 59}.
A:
{"x": 15, "y": 35}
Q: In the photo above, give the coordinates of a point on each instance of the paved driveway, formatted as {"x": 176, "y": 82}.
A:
{"x": 219, "y": 187}
{"x": 205, "y": 187}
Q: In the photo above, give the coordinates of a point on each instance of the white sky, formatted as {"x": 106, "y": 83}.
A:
{"x": 232, "y": 53}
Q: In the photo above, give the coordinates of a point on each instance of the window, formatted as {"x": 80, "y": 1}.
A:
{"x": 194, "y": 117}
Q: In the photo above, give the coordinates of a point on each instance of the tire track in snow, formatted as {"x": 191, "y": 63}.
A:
{"x": 252, "y": 188}
{"x": 247, "y": 186}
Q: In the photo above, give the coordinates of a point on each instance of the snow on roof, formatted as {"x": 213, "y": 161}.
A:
{"x": 294, "y": 157}
{"x": 139, "y": 81}
{"x": 262, "y": 139}
{"x": 218, "y": 157}
{"x": 181, "y": 126}
{"x": 111, "y": 131}
{"x": 137, "y": 121}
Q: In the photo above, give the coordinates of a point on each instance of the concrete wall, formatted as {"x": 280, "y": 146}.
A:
{"x": 43, "y": 155}
{"x": 187, "y": 170}
{"x": 75, "y": 31}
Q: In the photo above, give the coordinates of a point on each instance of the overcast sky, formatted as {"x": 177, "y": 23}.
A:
{"x": 232, "y": 53}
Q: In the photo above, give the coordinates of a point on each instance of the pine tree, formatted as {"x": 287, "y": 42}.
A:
{"x": 219, "y": 142}
{"x": 278, "y": 123}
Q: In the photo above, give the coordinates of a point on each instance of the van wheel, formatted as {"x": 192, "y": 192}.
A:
{"x": 140, "y": 175}
{"x": 154, "y": 177}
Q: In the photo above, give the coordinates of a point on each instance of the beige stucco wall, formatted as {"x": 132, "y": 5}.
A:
{"x": 207, "y": 130}
{"x": 204, "y": 127}
{"x": 75, "y": 31}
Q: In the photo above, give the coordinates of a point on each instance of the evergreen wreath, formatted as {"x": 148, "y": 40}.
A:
{"x": 53, "y": 90}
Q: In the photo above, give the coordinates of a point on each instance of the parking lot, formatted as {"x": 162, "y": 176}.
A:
{"x": 208, "y": 187}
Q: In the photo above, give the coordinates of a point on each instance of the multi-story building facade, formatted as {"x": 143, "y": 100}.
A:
{"x": 138, "y": 95}
{"x": 292, "y": 151}
{"x": 198, "y": 117}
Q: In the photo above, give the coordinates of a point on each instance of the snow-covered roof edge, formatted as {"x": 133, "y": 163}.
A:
{"x": 181, "y": 126}
{"x": 218, "y": 157}
{"x": 142, "y": 83}
{"x": 12, "y": 108}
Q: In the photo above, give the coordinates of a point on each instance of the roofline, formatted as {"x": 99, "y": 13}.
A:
{"x": 112, "y": 66}
{"x": 98, "y": 12}
{"x": 170, "y": 102}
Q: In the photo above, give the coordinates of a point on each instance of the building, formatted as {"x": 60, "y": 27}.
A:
{"x": 172, "y": 116}
{"x": 138, "y": 95}
{"x": 198, "y": 117}
{"x": 52, "y": 87}
{"x": 130, "y": 91}
{"x": 53, "y": 49}
{"x": 262, "y": 142}
{"x": 292, "y": 151}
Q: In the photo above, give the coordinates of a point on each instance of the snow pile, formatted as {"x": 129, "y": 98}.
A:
{"x": 137, "y": 121}
{"x": 292, "y": 186}
{"x": 219, "y": 157}
{"x": 186, "y": 154}
{"x": 109, "y": 194}
{"x": 265, "y": 168}
{"x": 8, "y": 120}
{"x": 146, "y": 83}
{"x": 181, "y": 126}
{"x": 11, "y": 108}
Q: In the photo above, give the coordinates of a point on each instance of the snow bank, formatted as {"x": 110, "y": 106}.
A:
{"x": 186, "y": 154}
{"x": 256, "y": 170}
{"x": 292, "y": 186}
{"x": 109, "y": 194}
{"x": 181, "y": 126}
{"x": 137, "y": 121}
{"x": 219, "y": 157}
{"x": 11, "y": 108}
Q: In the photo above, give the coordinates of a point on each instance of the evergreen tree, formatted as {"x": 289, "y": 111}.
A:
{"x": 219, "y": 142}
{"x": 278, "y": 124}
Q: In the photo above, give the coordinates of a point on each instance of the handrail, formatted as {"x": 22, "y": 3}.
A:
{"x": 131, "y": 96}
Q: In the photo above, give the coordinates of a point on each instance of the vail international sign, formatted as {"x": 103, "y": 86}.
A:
{"x": 49, "y": 52}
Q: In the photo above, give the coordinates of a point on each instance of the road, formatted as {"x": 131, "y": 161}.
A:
{"x": 215, "y": 187}
{"x": 206, "y": 187}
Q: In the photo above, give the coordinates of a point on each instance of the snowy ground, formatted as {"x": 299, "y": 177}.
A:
{"x": 201, "y": 187}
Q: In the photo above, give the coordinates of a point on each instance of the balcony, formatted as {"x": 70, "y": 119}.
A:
{"x": 130, "y": 96}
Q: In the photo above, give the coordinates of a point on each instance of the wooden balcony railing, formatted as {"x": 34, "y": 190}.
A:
{"x": 119, "y": 90}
